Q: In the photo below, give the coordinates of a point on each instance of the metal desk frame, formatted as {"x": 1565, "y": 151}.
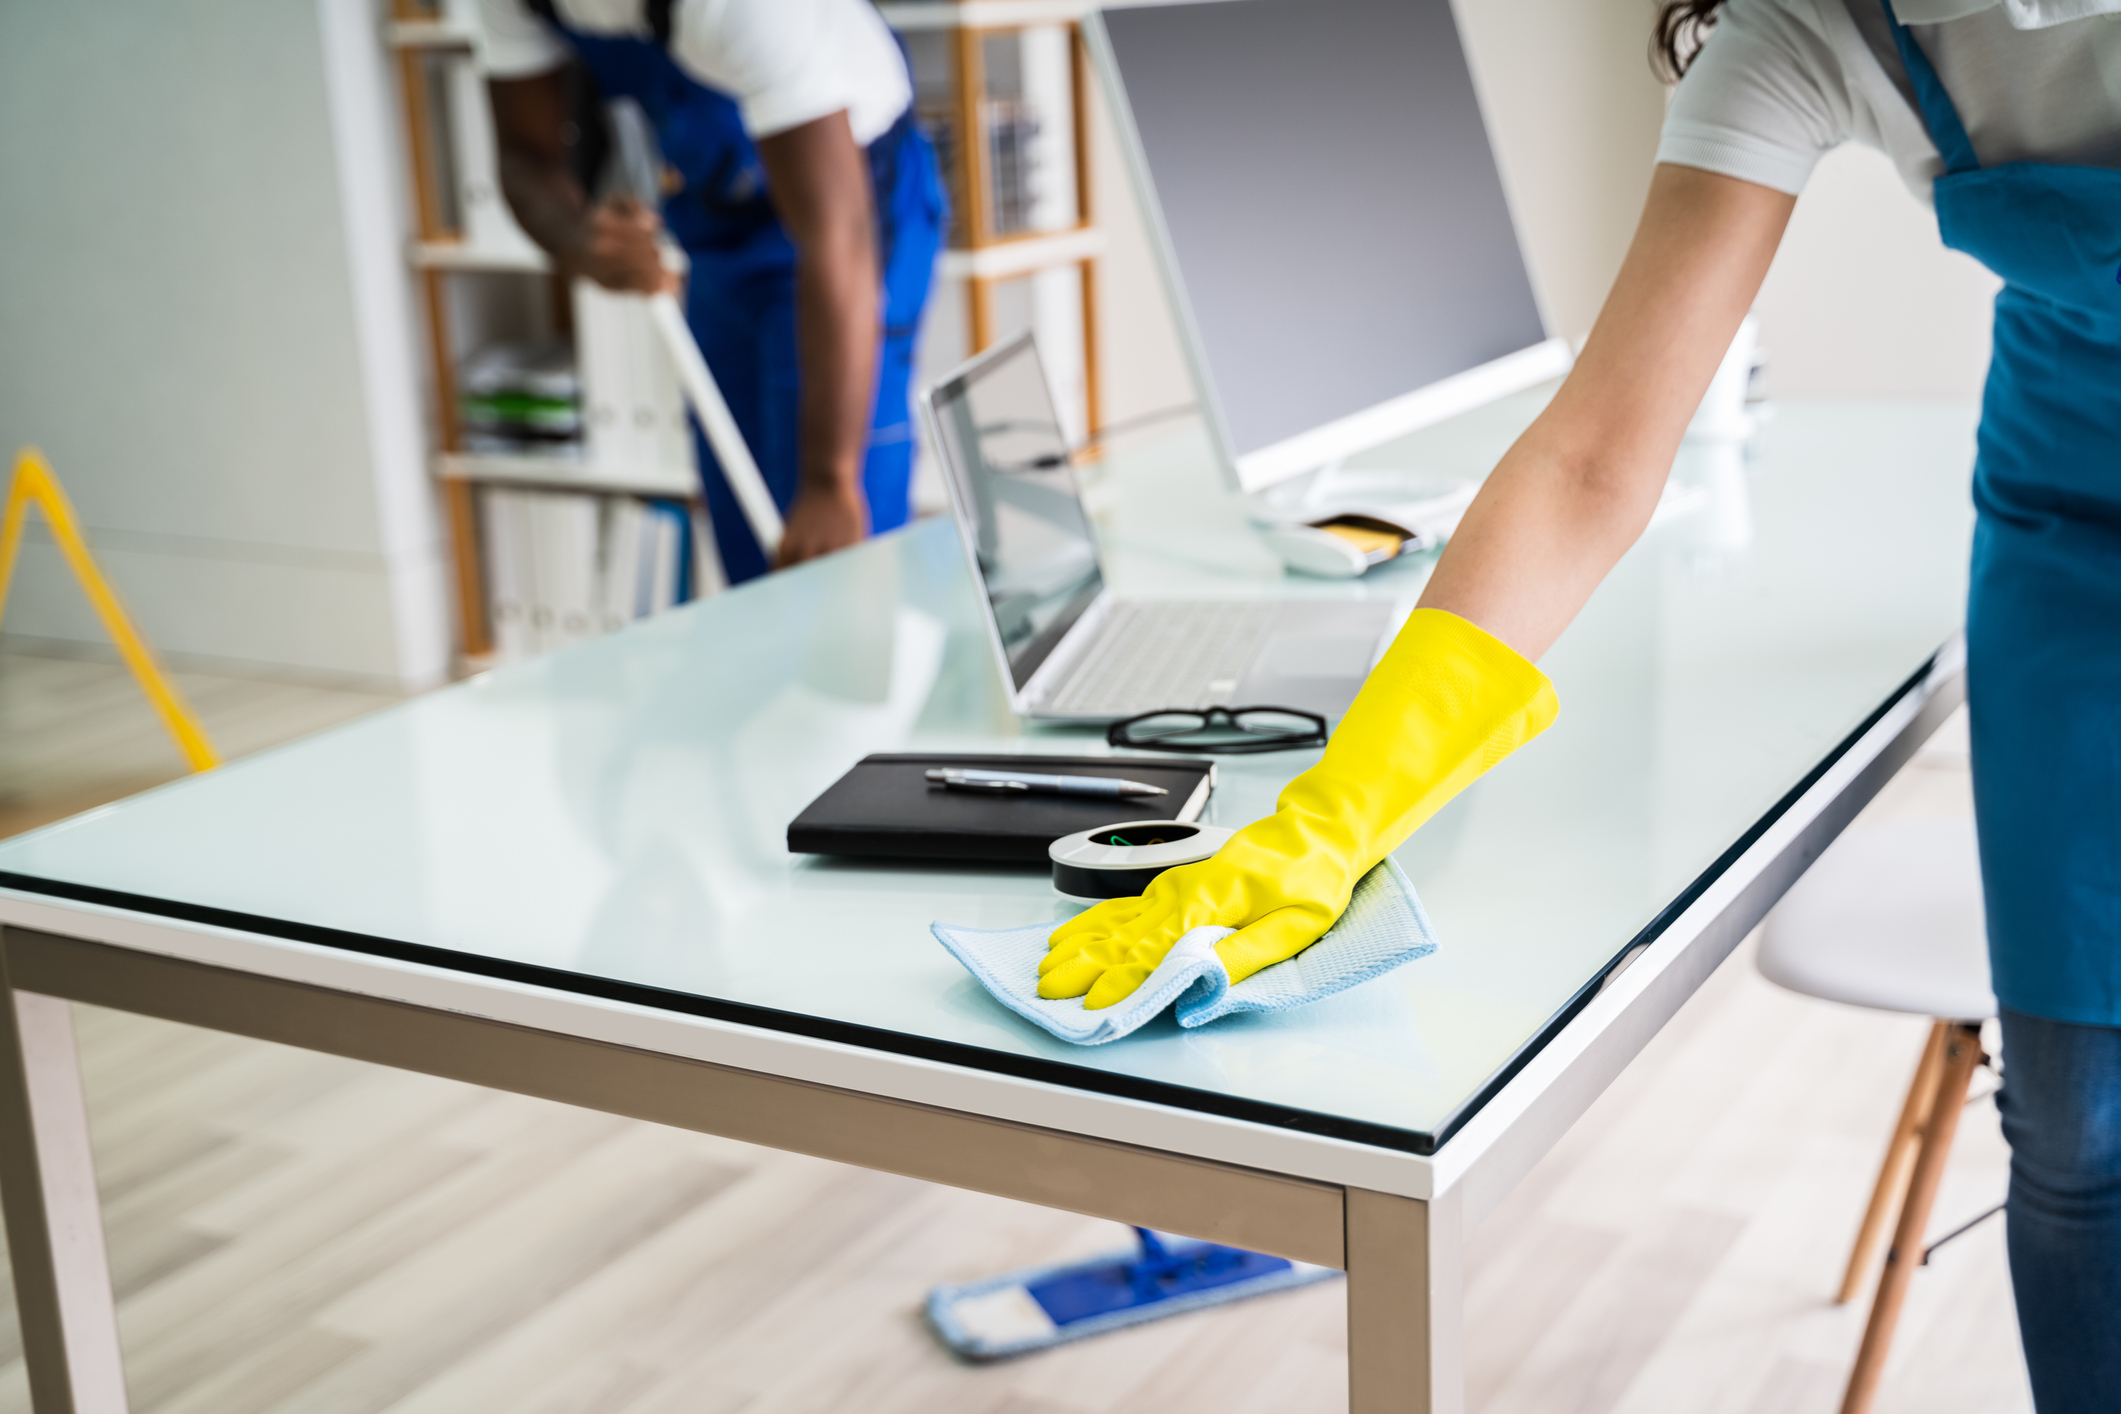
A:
{"x": 1402, "y": 1252}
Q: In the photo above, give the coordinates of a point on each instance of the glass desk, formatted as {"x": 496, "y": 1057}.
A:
{"x": 592, "y": 845}
{"x": 613, "y": 816}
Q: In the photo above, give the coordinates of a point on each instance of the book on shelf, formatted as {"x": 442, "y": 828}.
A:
{"x": 665, "y": 584}
{"x": 521, "y": 397}
{"x": 563, "y": 562}
{"x": 607, "y": 403}
{"x": 620, "y": 561}
{"x": 507, "y": 535}
{"x": 471, "y": 185}
{"x": 633, "y": 412}
{"x": 563, "y": 566}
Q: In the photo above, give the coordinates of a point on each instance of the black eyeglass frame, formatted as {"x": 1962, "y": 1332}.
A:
{"x": 1116, "y": 734}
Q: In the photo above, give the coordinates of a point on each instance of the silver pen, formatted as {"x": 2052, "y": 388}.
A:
{"x": 1112, "y": 787}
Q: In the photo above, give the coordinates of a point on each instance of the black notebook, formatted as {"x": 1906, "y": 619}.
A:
{"x": 886, "y": 807}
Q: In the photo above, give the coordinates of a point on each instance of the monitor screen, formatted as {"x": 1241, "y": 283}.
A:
{"x": 1332, "y": 222}
{"x": 1011, "y": 474}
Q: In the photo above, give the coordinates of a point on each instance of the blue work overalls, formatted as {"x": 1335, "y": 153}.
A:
{"x": 740, "y": 297}
{"x": 2043, "y": 636}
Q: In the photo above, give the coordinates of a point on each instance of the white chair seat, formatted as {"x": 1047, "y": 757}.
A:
{"x": 1890, "y": 918}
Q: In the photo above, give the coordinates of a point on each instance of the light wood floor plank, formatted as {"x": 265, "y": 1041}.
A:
{"x": 610, "y": 1322}
{"x": 76, "y": 732}
{"x": 1522, "y": 1278}
{"x": 258, "y": 1380}
{"x": 375, "y": 1116}
{"x": 1780, "y": 1271}
{"x": 1798, "y": 1387}
{"x": 368, "y": 1220}
{"x": 1609, "y": 1332}
{"x": 248, "y": 1295}
{"x": 463, "y": 1290}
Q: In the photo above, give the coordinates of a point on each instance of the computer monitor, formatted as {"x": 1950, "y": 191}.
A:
{"x": 1320, "y": 187}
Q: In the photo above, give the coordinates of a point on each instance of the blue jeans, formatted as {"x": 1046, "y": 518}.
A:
{"x": 2061, "y": 1106}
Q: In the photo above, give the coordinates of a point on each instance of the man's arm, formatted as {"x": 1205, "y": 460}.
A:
{"x": 1578, "y": 488}
{"x": 821, "y": 188}
{"x": 613, "y": 242}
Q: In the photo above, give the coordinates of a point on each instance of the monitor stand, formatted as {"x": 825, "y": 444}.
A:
{"x": 1430, "y": 500}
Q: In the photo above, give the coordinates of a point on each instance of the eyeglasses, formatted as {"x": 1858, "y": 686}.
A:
{"x": 1227, "y": 731}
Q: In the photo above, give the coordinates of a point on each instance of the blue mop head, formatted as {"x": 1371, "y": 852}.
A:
{"x": 1022, "y": 1311}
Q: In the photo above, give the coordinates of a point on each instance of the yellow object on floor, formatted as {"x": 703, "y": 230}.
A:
{"x": 1447, "y": 701}
{"x": 33, "y": 482}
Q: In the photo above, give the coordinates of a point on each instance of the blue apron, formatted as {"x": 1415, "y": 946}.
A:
{"x": 740, "y": 296}
{"x": 2043, "y": 631}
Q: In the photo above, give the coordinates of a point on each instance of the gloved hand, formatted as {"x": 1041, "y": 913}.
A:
{"x": 1447, "y": 701}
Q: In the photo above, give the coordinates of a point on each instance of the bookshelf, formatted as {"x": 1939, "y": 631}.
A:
{"x": 560, "y": 474}
{"x": 482, "y": 282}
{"x": 1002, "y": 87}
{"x": 454, "y": 255}
{"x": 429, "y": 32}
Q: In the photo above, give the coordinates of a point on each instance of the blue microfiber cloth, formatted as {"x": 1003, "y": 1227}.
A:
{"x": 1383, "y": 927}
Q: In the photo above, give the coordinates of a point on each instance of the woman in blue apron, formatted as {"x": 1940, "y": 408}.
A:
{"x": 2043, "y": 637}
{"x": 1457, "y": 691}
{"x": 741, "y": 293}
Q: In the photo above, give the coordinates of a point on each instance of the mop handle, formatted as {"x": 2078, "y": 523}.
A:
{"x": 738, "y": 468}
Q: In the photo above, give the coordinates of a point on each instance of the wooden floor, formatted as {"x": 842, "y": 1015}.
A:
{"x": 75, "y": 732}
{"x": 295, "y": 1233}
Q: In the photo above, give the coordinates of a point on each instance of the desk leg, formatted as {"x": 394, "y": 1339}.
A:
{"x": 1406, "y": 1298}
{"x": 54, "y": 1222}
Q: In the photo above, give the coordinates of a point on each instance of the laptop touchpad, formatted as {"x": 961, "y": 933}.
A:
{"x": 1312, "y": 672}
{"x": 1314, "y": 655}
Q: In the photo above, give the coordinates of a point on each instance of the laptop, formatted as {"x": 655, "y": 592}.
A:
{"x": 1071, "y": 650}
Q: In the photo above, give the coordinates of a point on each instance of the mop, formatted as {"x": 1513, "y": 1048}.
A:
{"x": 1022, "y": 1311}
{"x": 738, "y": 469}
{"x": 634, "y": 173}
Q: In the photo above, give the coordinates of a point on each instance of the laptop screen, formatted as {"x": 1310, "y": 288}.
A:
{"x": 1017, "y": 501}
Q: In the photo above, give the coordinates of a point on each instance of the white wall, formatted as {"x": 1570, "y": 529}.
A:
{"x": 1575, "y": 113}
{"x": 205, "y": 324}
{"x": 1864, "y": 300}
{"x": 1140, "y": 366}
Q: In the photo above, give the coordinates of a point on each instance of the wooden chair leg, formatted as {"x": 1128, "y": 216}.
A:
{"x": 1962, "y": 1052}
{"x": 1893, "y": 1173}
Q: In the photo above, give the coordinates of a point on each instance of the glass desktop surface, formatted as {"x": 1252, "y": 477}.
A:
{"x": 616, "y": 812}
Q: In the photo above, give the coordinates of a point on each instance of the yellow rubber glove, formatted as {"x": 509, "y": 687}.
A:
{"x": 1447, "y": 701}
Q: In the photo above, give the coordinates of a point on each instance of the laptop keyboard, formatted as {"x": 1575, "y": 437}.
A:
{"x": 1173, "y": 653}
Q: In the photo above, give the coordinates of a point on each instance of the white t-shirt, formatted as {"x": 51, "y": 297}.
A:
{"x": 785, "y": 62}
{"x": 1782, "y": 81}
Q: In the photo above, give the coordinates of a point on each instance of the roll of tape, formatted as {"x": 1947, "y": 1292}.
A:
{"x": 1118, "y": 861}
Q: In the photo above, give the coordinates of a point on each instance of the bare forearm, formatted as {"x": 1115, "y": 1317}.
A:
{"x": 612, "y": 243}
{"x": 1577, "y": 489}
{"x": 1547, "y": 527}
{"x": 836, "y": 336}
{"x": 548, "y": 203}
{"x": 820, "y": 185}
{"x": 530, "y": 123}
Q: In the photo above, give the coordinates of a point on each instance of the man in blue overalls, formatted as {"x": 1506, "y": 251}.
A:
{"x": 805, "y": 198}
